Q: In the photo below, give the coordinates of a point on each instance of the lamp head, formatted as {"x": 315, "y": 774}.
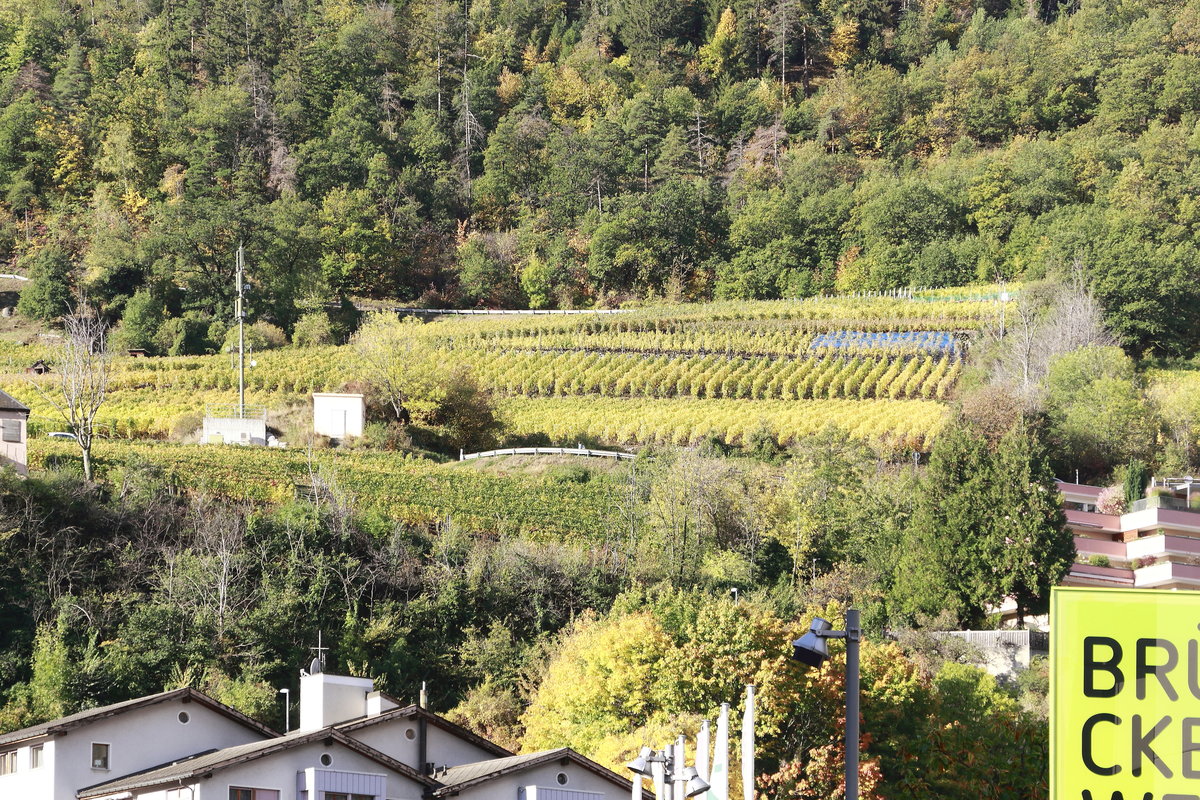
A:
{"x": 641, "y": 764}
{"x": 812, "y": 648}
{"x": 695, "y": 784}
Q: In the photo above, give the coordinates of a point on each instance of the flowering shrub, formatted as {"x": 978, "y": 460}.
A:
{"x": 1111, "y": 500}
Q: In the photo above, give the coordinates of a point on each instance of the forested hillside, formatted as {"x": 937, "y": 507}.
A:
{"x": 540, "y": 152}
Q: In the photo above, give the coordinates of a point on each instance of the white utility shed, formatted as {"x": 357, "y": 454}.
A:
{"x": 338, "y": 415}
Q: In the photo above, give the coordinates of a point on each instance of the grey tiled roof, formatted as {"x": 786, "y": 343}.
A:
{"x": 416, "y": 712}
{"x": 209, "y": 761}
{"x": 77, "y": 719}
{"x": 10, "y": 403}
{"x": 455, "y": 779}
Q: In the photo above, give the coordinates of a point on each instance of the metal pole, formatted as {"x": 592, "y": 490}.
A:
{"x": 853, "y": 631}
{"x": 241, "y": 315}
{"x": 677, "y": 762}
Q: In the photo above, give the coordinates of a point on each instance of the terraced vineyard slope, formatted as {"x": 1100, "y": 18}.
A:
{"x": 877, "y": 367}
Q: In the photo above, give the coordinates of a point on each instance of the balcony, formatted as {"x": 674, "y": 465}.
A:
{"x": 1168, "y": 575}
{"x": 1091, "y": 575}
{"x": 1165, "y": 501}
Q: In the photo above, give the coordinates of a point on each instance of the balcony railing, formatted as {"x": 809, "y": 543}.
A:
{"x": 1163, "y": 501}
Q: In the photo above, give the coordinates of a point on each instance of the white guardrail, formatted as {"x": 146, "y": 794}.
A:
{"x": 462, "y": 312}
{"x": 547, "y": 451}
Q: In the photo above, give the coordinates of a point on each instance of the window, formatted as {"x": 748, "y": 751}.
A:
{"x": 239, "y": 793}
{"x": 35, "y": 756}
{"x": 562, "y": 779}
{"x": 12, "y": 430}
{"x": 344, "y": 796}
{"x": 99, "y": 755}
{"x": 326, "y": 759}
{"x": 8, "y": 762}
{"x": 183, "y": 718}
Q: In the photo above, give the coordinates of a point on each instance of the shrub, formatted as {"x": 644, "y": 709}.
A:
{"x": 313, "y": 330}
{"x": 259, "y": 336}
{"x": 1112, "y": 500}
{"x": 1099, "y": 561}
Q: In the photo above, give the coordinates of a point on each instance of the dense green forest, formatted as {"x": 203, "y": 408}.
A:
{"x": 513, "y": 152}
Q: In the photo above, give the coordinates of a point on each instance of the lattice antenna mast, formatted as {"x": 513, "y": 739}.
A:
{"x": 241, "y": 320}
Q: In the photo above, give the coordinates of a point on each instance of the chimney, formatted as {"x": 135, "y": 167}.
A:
{"x": 377, "y": 703}
{"x": 329, "y": 699}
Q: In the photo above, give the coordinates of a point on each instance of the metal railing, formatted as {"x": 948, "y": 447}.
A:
{"x": 1162, "y": 501}
{"x": 463, "y": 312}
{"x": 547, "y": 451}
{"x": 235, "y": 412}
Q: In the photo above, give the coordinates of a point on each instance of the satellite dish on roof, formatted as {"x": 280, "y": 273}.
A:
{"x": 315, "y": 667}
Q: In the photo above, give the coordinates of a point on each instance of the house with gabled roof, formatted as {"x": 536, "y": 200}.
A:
{"x": 54, "y": 760}
{"x": 352, "y": 743}
{"x": 14, "y": 432}
{"x": 307, "y": 765}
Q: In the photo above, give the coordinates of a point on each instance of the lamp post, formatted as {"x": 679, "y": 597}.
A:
{"x": 813, "y": 649}
{"x": 287, "y": 709}
{"x": 686, "y": 780}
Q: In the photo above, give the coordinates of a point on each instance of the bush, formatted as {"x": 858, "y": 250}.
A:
{"x": 569, "y": 473}
{"x": 48, "y": 294}
{"x": 1112, "y": 500}
{"x": 387, "y": 436}
{"x": 1099, "y": 561}
{"x": 313, "y": 330}
{"x": 259, "y": 336}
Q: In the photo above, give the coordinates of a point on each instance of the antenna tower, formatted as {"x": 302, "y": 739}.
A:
{"x": 241, "y": 320}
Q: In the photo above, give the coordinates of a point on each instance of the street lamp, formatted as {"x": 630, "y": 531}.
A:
{"x": 813, "y": 649}
{"x": 287, "y": 709}
{"x": 673, "y": 768}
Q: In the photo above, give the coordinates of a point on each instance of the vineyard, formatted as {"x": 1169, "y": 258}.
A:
{"x": 895, "y": 423}
{"x": 409, "y": 490}
{"x": 880, "y": 367}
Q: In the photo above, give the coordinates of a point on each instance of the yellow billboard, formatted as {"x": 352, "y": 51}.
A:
{"x": 1124, "y": 694}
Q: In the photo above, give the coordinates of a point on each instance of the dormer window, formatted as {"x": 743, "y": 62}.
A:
{"x": 99, "y": 755}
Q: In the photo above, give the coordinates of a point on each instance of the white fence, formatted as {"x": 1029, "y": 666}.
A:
{"x": 547, "y": 451}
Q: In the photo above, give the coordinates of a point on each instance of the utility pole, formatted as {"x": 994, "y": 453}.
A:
{"x": 241, "y": 319}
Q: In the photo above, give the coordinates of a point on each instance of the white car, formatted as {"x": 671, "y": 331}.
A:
{"x": 61, "y": 435}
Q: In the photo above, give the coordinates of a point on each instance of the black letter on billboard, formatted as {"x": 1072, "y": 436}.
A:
{"x": 1088, "y": 761}
{"x": 1158, "y": 670}
{"x": 1141, "y": 746}
{"x": 1190, "y": 746}
{"x": 1090, "y": 665}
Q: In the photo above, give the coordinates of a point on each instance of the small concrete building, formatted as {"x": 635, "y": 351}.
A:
{"x": 338, "y": 415}
{"x": 14, "y": 430}
{"x": 235, "y": 425}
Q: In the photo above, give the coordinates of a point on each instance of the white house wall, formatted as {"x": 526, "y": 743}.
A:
{"x": 27, "y": 782}
{"x": 507, "y": 787}
{"x": 444, "y": 749}
{"x": 13, "y": 454}
{"x": 146, "y": 737}
{"x": 279, "y": 772}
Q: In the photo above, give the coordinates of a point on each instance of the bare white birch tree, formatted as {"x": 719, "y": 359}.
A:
{"x": 1043, "y": 326}
{"x": 82, "y": 365}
